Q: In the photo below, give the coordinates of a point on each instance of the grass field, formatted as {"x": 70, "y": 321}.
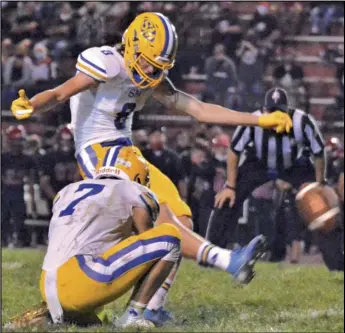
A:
{"x": 282, "y": 298}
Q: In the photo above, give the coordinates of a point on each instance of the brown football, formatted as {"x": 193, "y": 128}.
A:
{"x": 318, "y": 206}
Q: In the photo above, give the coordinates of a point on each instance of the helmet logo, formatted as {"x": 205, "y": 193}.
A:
{"x": 276, "y": 96}
{"x": 148, "y": 30}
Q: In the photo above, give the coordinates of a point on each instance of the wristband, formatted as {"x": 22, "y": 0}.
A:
{"x": 230, "y": 187}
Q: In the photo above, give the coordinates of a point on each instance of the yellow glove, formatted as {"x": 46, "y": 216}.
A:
{"x": 21, "y": 107}
{"x": 277, "y": 120}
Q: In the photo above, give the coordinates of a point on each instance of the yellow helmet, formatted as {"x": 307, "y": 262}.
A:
{"x": 127, "y": 165}
{"x": 152, "y": 37}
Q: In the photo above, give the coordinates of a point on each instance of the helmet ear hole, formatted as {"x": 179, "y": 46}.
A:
{"x": 137, "y": 179}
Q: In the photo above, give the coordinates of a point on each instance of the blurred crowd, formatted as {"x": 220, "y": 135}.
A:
{"x": 41, "y": 40}
{"x": 40, "y": 43}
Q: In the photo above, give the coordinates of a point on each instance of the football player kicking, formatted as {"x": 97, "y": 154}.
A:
{"x": 93, "y": 257}
{"x": 107, "y": 88}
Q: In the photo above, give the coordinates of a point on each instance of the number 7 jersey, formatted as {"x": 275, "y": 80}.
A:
{"x": 91, "y": 216}
{"x": 104, "y": 113}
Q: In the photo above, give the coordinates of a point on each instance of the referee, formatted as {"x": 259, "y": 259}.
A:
{"x": 272, "y": 156}
{"x": 269, "y": 156}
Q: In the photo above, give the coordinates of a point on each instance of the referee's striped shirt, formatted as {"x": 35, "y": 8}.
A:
{"x": 279, "y": 152}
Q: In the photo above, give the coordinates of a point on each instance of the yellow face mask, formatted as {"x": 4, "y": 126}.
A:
{"x": 149, "y": 42}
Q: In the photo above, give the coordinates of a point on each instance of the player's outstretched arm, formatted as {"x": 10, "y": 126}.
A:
{"x": 23, "y": 107}
{"x": 172, "y": 98}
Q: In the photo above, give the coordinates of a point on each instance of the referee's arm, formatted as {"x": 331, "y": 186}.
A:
{"x": 315, "y": 142}
{"x": 240, "y": 140}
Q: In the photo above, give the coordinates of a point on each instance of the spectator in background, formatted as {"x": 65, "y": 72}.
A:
{"x": 266, "y": 29}
{"x": 140, "y": 139}
{"x": 220, "y": 149}
{"x": 6, "y": 50}
{"x": 36, "y": 206}
{"x": 292, "y": 15}
{"x": 44, "y": 68}
{"x": 58, "y": 168}
{"x": 4, "y": 142}
{"x": 290, "y": 75}
{"x": 323, "y": 15}
{"x": 33, "y": 146}
{"x": 163, "y": 158}
{"x": 26, "y": 23}
{"x": 62, "y": 32}
{"x": 214, "y": 131}
{"x": 186, "y": 56}
{"x": 182, "y": 142}
{"x": 18, "y": 69}
{"x": 17, "y": 74}
{"x": 221, "y": 75}
{"x": 340, "y": 78}
{"x": 340, "y": 68}
{"x": 200, "y": 172}
{"x": 335, "y": 160}
{"x": 90, "y": 26}
{"x": 17, "y": 169}
{"x": 250, "y": 71}
{"x": 117, "y": 18}
{"x": 228, "y": 30}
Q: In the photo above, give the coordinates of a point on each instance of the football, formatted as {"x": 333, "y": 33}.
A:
{"x": 318, "y": 206}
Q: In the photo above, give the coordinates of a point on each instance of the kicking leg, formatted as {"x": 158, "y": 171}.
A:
{"x": 173, "y": 210}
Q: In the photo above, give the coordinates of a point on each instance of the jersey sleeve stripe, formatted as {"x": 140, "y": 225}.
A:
{"x": 147, "y": 206}
{"x": 151, "y": 204}
{"x": 107, "y": 270}
{"x": 154, "y": 200}
{"x": 89, "y": 71}
{"x": 83, "y": 166}
{"x": 92, "y": 155}
{"x": 88, "y": 62}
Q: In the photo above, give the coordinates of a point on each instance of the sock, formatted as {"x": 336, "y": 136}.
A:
{"x": 158, "y": 299}
{"x": 213, "y": 256}
{"x": 135, "y": 309}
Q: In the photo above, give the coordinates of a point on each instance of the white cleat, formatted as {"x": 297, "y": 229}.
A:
{"x": 131, "y": 321}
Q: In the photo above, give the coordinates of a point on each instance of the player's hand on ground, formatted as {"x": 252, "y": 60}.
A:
{"x": 224, "y": 195}
{"x": 21, "y": 107}
{"x": 277, "y": 120}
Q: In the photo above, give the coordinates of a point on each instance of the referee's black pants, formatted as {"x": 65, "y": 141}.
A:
{"x": 252, "y": 174}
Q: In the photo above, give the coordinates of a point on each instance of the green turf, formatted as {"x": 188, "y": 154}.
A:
{"x": 281, "y": 298}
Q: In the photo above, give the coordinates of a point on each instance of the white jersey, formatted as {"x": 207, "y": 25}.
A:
{"x": 104, "y": 113}
{"x": 91, "y": 216}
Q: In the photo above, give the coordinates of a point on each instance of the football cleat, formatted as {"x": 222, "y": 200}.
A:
{"x": 242, "y": 260}
{"x": 133, "y": 321}
{"x": 158, "y": 317}
{"x": 36, "y": 316}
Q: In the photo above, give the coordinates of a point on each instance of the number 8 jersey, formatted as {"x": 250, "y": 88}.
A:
{"x": 104, "y": 113}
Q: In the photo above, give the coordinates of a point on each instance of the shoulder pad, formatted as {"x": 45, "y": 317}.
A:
{"x": 100, "y": 63}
